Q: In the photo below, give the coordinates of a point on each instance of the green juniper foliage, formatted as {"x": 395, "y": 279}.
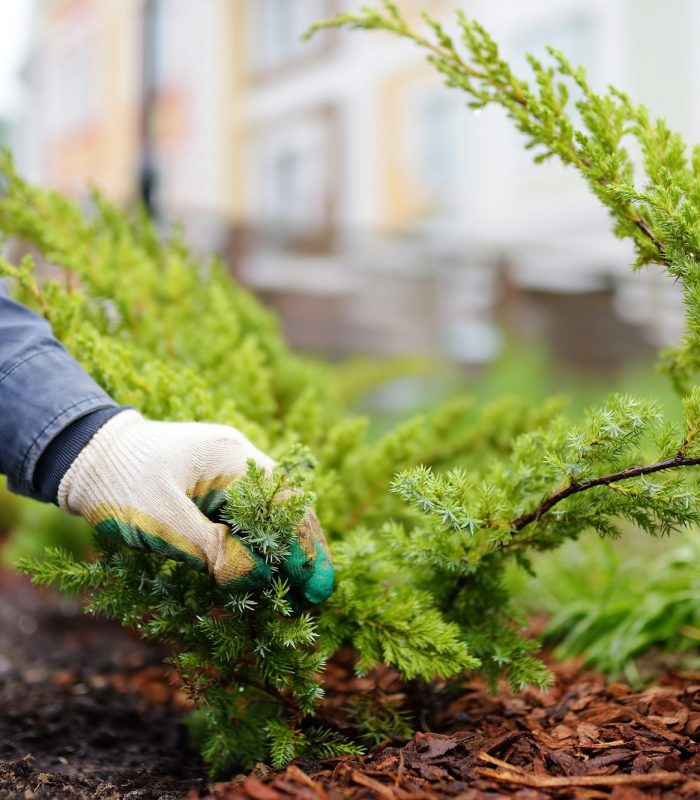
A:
{"x": 424, "y": 520}
{"x": 179, "y": 340}
{"x": 380, "y": 719}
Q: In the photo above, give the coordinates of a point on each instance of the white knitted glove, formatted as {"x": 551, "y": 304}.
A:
{"x": 138, "y": 481}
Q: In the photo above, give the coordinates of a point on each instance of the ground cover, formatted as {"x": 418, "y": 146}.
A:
{"x": 88, "y": 710}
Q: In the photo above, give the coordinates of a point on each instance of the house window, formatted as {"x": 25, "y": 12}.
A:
{"x": 281, "y": 36}
{"x": 278, "y": 26}
{"x": 294, "y": 182}
{"x": 439, "y": 117}
{"x": 287, "y": 173}
{"x": 170, "y": 40}
{"x": 294, "y": 174}
{"x": 575, "y": 36}
{"x": 430, "y": 150}
{"x": 73, "y": 88}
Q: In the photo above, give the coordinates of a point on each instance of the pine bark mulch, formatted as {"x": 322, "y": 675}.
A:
{"x": 89, "y": 711}
{"x": 584, "y": 738}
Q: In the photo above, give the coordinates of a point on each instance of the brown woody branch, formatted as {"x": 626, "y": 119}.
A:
{"x": 534, "y": 781}
{"x": 679, "y": 460}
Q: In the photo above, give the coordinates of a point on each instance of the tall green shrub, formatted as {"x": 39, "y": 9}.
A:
{"x": 422, "y": 521}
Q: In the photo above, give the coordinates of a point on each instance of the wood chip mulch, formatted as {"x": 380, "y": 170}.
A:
{"x": 89, "y": 712}
{"x": 581, "y": 739}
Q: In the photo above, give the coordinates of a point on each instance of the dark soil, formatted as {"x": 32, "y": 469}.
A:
{"x": 89, "y": 711}
{"x": 86, "y": 709}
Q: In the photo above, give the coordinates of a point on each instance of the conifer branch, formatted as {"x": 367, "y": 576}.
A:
{"x": 679, "y": 460}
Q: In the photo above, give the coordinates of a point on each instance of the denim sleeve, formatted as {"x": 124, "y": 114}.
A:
{"x": 43, "y": 390}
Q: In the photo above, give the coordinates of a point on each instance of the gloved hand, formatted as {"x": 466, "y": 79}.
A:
{"x": 144, "y": 483}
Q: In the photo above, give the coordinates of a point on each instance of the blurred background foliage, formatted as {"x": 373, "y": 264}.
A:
{"x": 627, "y": 607}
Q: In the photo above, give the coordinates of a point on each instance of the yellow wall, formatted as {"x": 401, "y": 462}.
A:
{"x": 403, "y": 201}
{"x": 107, "y": 146}
{"x": 237, "y": 139}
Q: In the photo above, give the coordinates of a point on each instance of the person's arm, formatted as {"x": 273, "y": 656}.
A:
{"x": 154, "y": 486}
{"x": 47, "y": 402}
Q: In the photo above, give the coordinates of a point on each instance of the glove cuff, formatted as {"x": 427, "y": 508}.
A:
{"x": 62, "y": 451}
{"x": 100, "y": 448}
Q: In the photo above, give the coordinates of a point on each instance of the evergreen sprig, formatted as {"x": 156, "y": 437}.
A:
{"x": 267, "y": 512}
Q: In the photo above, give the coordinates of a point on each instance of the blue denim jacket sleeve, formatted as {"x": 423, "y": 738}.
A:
{"x": 43, "y": 392}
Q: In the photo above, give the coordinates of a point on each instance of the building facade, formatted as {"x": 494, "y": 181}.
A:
{"x": 345, "y": 183}
{"x": 112, "y": 84}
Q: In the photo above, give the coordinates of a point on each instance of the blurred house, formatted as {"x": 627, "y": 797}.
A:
{"x": 134, "y": 94}
{"x": 344, "y": 183}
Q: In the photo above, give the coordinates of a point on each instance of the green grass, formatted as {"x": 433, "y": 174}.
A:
{"x": 616, "y": 602}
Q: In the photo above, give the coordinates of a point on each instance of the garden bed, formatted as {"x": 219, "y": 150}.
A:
{"x": 89, "y": 711}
